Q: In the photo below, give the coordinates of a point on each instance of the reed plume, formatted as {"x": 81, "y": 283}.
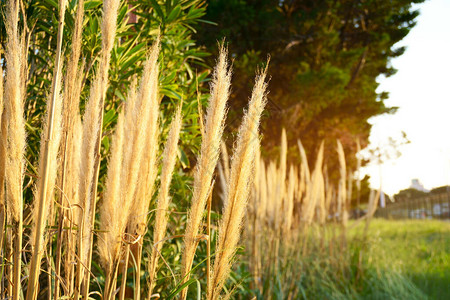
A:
{"x": 238, "y": 188}
{"x": 72, "y": 201}
{"x": 144, "y": 159}
{"x": 168, "y": 164}
{"x": 283, "y": 159}
{"x": 140, "y": 124}
{"x": 71, "y": 111}
{"x": 44, "y": 193}
{"x": 14, "y": 112}
{"x": 304, "y": 162}
{"x": 1, "y": 92}
{"x": 254, "y": 212}
{"x": 91, "y": 140}
{"x": 262, "y": 205}
{"x": 313, "y": 198}
{"x": 2, "y": 159}
{"x": 15, "y": 136}
{"x": 48, "y": 164}
{"x": 272, "y": 181}
{"x": 209, "y": 152}
{"x": 112, "y": 216}
{"x": 305, "y": 175}
{"x": 70, "y": 157}
{"x": 115, "y": 207}
{"x": 342, "y": 191}
{"x": 281, "y": 180}
{"x": 289, "y": 201}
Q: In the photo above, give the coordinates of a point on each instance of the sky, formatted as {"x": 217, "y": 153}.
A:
{"x": 421, "y": 90}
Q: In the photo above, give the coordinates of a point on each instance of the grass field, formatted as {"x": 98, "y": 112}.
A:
{"x": 419, "y": 250}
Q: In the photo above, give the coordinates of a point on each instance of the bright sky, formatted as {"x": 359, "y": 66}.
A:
{"x": 421, "y": 90}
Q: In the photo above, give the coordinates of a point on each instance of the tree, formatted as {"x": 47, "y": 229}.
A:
{"x": 325, "y": 58}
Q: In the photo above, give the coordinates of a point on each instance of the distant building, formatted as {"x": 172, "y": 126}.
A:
{"x": 441, "y": 190}
{"x": 415, "y": 184}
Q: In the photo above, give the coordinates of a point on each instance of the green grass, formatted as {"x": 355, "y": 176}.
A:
{"x": 399, "y": 260}
{"x": 417, "y": 249}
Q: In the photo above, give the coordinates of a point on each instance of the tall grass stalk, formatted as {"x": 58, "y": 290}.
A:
{"x": 305, "y": 175}
{"x": 342, "y": 197}
{"x": 47, "y": 163}
{"x": 111, "y": 222}
{"x": 3, "y": 141}
{"x": 288, "y": 208}
{"x": 2, "y": 163}
{"x": 91, "y": 141}
{"x": 312, "y": 210}
{"x": 128, "y": 155}
{"x": 142, "y": 158}
{"x": 314, "y": 191}
{"x": 161, "y": 218}
{"x": 238, "y": 188}
{"x": 70, "y": 151}
{"x": 281, "y": 186}
{"x": 125, "y": 264}
{"x": 206, "y": 163}
{"x": 254, "y": 210}
{"x": 15, "y": 144}
{"x": 144, "y": 154}
{"x": 208, "y": 241}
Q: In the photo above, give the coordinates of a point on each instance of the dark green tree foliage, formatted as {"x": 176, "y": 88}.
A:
{"x": 325, "y": 58}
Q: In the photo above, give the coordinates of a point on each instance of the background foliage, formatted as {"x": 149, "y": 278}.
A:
{"x": 325, "y": 58}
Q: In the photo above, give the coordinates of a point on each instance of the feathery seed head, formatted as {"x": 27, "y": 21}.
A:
{"x": 238, "y": 187}
{"x": 14, "y": 111}
{"x": 206, "y": 163}
{"x": 168, "y": 164}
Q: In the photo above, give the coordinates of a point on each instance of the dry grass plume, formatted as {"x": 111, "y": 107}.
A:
{"x": 238, "y": 188}
{"x": 161, "y": 219}
{"x": 16, "y": 136}
{"x": 206, "y": 163}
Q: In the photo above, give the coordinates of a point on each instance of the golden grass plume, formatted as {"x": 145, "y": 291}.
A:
{"x": 206, "y": 163}
{"x": 238, "y": 188}
{"x": 161, "y": 218}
